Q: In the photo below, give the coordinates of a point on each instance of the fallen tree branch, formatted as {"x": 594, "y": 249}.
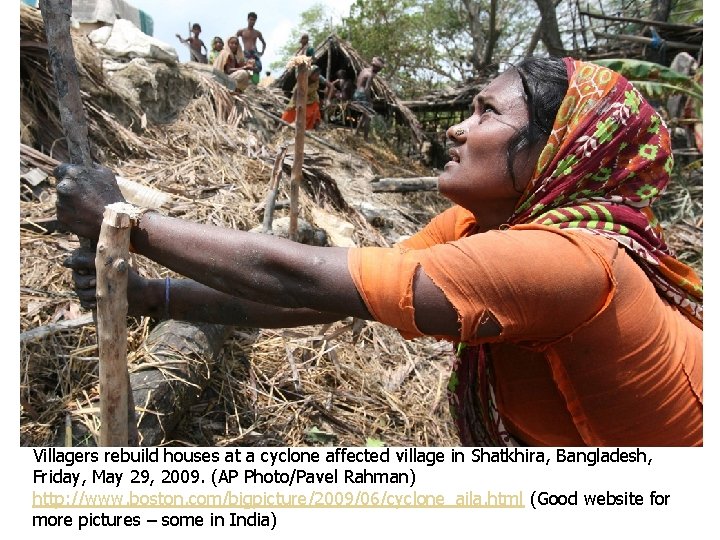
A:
{"x": 398, "y": 185}
{"x": 49, "y": 329}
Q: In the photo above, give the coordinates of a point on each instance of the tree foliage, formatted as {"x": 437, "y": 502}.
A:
{"x": 430, "y": 43}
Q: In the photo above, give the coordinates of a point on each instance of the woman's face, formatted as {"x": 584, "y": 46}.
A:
{"x": 233, "y": 45}
{"x": 477, "y": 176}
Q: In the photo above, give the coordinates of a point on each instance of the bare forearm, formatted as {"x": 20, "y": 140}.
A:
{"x": 188, "y": 300}
{"x": 259, "y": 268}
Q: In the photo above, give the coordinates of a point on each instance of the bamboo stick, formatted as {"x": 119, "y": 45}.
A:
{"x": 111, "y": 263}
{"x": 50, "y": 329}
{"x": 296, "y": 174}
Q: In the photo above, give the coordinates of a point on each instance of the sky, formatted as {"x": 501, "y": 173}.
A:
{"x": 276, "y": 19}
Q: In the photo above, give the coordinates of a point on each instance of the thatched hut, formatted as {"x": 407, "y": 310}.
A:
{"x": 334, "y": 54}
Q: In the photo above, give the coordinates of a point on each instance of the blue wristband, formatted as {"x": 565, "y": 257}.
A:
{"x": 167, "y": 297}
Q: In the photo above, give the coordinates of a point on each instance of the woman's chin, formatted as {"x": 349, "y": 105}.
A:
{"x": 444, "y": 181}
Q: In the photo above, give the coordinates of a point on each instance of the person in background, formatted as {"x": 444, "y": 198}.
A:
{"x": 195, "y": 44}
{"x": 343, "y": 88}
{"x": 250, "y": 36}
{"x": 344, "y": 85}
{"x": 313, "y": 115}
{"x": 574, "y": 323}
{"x": 363, "y": 94}
{"x": 232, "y": 62}
{"x": 215, "y": 49}
{"x": 304, "y": 45}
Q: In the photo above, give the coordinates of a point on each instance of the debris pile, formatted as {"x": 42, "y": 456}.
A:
{"x": 209, "y": 153}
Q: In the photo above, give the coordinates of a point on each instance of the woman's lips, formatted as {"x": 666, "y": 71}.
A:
{"x": 454, "y": 157}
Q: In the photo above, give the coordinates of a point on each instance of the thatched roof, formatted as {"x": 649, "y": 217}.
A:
{"x": 336, "y": 53}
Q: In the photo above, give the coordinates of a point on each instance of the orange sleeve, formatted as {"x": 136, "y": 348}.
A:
{"x": 538, "y": 283}
{"x": 384, "y": 278}
{"x": 453, "y": 223}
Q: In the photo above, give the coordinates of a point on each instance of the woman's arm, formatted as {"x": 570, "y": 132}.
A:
{"x": 257, "y": 268}
{"x": 187, "y": 300}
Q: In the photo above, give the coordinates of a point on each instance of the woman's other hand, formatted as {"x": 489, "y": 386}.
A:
{"x": 83, "y": 195}
{"x": 82, "y": 263}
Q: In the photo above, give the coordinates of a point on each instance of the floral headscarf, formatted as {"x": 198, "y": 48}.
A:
{"x": 607, "y": 159}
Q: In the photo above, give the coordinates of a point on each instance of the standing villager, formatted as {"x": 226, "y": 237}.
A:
{"x": 304, "y": 49}
{"x": 340, "y": 95}
{"x": 574, "y": 323}
{"x": 313, "y": 115}
{"x": 250, "y": 36}
{"x": 232, "y": 62}
{"x": 363, "y": 94}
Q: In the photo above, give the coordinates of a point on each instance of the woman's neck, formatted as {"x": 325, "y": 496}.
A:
{"x": 492, "y": 217}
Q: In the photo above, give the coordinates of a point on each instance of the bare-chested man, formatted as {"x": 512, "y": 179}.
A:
{"x": 362, "y": 95}
{"x": 249, "y": 36}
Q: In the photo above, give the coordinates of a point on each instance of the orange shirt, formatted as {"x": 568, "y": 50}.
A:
{"x": 588, "y": 354}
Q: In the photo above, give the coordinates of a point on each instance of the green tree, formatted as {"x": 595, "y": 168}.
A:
{"x": 399, "y": 32}
{"x": 432, "y": 42}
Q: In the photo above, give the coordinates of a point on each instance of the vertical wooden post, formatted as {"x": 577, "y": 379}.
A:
{"x": 328, "y": 75}
{"x": 296, "y": 174}
{"x": 111, "y": 264}
{"x": 273, "y": 190}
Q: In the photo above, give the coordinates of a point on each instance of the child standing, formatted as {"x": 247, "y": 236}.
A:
{"x": 195, "y": 44}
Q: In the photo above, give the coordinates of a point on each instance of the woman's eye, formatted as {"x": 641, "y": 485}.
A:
{"x": 488, "y": 108}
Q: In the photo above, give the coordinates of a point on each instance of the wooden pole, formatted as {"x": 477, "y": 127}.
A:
{"x": 646, "y": 22}
{"x": 647, "y": 41}
{"x": 296, "y": 174}
{"x": 56, "y": 19}
{"x": 111, "y": 263}
{"x": 328, "y": 74}
{"x": 273, "y": 190}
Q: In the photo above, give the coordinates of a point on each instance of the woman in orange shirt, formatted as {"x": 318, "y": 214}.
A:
{"x": 574, "y": 324}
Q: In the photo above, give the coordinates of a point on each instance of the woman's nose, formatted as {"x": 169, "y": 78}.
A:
{"x": 456, "y": 133}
